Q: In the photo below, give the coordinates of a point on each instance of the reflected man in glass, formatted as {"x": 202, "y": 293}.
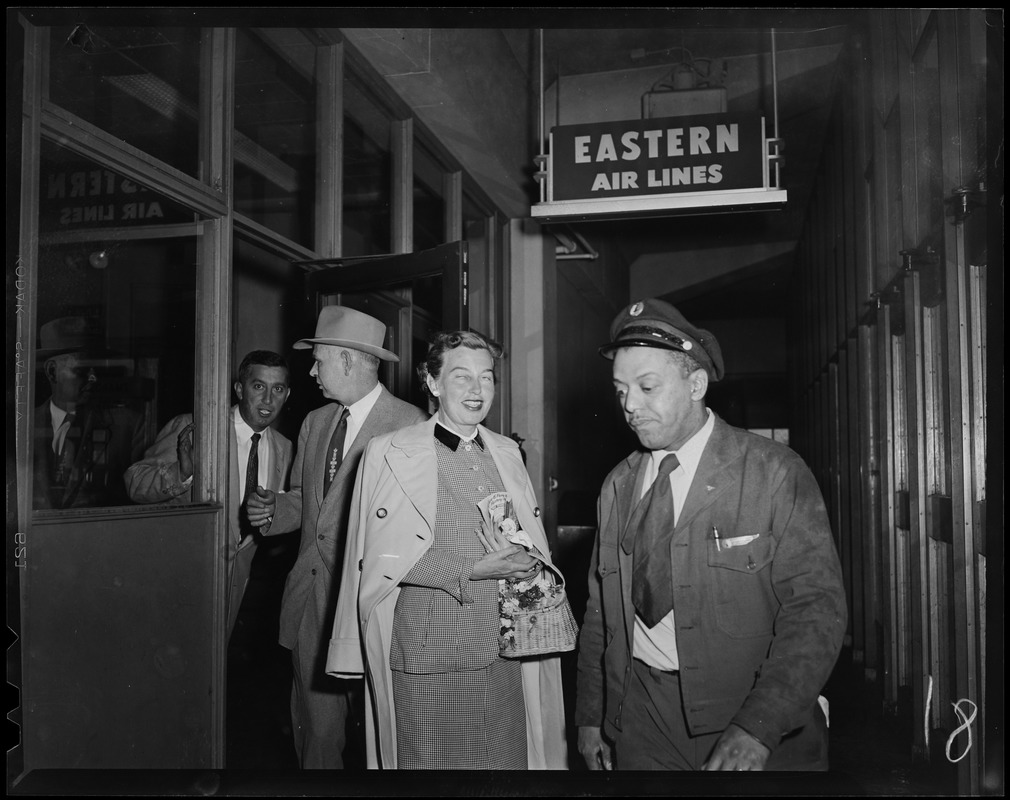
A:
{"x": 82, "y": 447}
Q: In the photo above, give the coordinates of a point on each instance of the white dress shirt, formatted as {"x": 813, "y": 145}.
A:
{"x": 357, "y": 413}
{"x": 243, "y": 437}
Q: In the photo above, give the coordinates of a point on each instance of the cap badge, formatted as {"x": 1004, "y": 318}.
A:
{"x": 636, "y": 309}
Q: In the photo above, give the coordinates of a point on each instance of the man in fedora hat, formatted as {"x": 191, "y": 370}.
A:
{"x": 716, "y": 606}
{"x": 347, "y": 349}
{"x": 258, "y": 456}
{"x": 81, "y": 447}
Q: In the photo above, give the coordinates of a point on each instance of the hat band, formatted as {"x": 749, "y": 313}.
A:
{"x": 654, "y": 333}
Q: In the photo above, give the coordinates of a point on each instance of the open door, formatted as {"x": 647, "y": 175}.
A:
{"x": 415, "y": 294}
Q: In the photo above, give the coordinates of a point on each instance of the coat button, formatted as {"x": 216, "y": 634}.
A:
{"x": 381, "y": 513}
{"x": 536, "y": 511}
{"x": 361, "y": 563}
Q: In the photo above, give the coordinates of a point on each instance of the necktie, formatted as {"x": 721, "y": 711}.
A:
{"x": 61, "y": 433}
{"x": 652, "y": 577}
{"x": 252, "y": 472}
{"x": 335, "y": 451}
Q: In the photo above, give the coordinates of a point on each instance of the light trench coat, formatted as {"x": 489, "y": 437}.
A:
{"x": 391, "y": 526}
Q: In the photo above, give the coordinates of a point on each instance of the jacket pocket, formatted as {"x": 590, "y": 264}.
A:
{"x": 740, "y": 571}
{"x": 608, "y": 560}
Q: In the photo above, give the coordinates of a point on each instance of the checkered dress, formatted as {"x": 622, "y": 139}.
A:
{"x": 458, "y": 704}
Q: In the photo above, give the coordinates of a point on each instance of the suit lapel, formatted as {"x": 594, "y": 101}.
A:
{"x": 374, "y": 423}
{"x": 627, "y": 495}
{"x": 277, "y": 461}
{"x": 327, "y": 424}
{"x": 236, "y": 483}
{"x": 717, "y": 470}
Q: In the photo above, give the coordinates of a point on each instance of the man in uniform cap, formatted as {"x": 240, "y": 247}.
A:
{"x": 716, "y": 608}
{"x": 347, "y": 349}
{"x": 81, "y": 447}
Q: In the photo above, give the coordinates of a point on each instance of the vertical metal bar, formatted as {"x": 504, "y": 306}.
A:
{"x": 775, "y": 107}
{"x": 402, "y": 147}
{"x": 919, "y": 551}
{"x": 885, "y": 383}
{"x": 214, "y": 330}
{"x": 329, "y": 150}
{"x": 452, "y": 191}
{"x": 540, "y": 109}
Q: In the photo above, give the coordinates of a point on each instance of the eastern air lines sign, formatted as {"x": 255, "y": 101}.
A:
{"x": 705, "y": 153}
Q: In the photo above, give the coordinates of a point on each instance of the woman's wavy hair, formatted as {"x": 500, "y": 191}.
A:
{"x": 443, "y": 342}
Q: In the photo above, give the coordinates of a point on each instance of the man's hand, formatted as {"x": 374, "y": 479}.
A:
{"x": 594, "y": 750}
{"x": 184, "y": 448}
{"x": 510, "y": 562}
{"x": 736, "y": 750}
{"x": 260, "y": 508}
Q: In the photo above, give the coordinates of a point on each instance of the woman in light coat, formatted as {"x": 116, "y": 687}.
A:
{"x": 418, "y": 603}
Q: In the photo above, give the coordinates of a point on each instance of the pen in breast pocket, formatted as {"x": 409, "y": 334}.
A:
{"x": 718, "y": 541}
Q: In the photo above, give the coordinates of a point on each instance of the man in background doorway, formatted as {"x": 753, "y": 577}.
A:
{"x": 259, "y": 456}
{"x": 347, "y": 349}
{"x": 81, "y": 445}
{"x": 716, "y": 606}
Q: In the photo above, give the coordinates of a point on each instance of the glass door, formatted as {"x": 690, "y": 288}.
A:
{"x": 415, "y": 294}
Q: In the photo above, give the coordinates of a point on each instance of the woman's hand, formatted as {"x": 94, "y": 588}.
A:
{"x": 510, "y": 562}
{"x": 491, "y": 537}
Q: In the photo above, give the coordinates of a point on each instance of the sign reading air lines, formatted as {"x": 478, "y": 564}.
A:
{"x": 717, "y": 161}
{"x": 658, "y": 156}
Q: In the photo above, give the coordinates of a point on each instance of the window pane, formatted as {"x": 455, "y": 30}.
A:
{"x": 116, "y": 311}
{"x": 429, "y": 205}
{"x": 139, "y": 84}
{"x": 368, "y": 169}
{"x": 275, "y": 133}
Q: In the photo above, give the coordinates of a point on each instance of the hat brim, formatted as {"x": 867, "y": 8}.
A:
{"x": 43, "y": 354}
{"x": 378, "y": 352}
{"x": 608, "y": 350}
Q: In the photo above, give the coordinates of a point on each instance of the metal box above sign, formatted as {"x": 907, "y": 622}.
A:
{"x": 700, "y": 164}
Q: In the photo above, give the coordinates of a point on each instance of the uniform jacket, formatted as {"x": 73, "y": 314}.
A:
{"x": 759, "y": 624}
{"x": 323, "y": 518}
{"x": 156, "y": 479}
{"x": 108, "y": 440}
{"x": 391, "y": 527}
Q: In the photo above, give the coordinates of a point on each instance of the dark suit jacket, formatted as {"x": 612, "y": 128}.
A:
{"x": 323, "y": 518}
{"x": 759, "y": 626}
{"x": 105, "y": 440}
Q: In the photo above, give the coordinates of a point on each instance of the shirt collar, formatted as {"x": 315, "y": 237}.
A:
{"x": 452, "y": 440}
{"x": 359, "y": 410}
{"x": 58, "y": 415}
{"x": 689, "y": 455}
{"x": 243, "y": 431}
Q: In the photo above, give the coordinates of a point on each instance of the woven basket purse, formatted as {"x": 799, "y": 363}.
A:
{"x": 540, "y": 625}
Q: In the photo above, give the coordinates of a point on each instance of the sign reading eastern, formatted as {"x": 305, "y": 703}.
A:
{"x": 710, "y": 152}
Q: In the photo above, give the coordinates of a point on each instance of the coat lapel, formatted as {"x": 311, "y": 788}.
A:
{"x": 514, "y": 479}
{"x": 627, "y": 494}
{"x": 411, "y": 459}
{"x": 718, "y": 469}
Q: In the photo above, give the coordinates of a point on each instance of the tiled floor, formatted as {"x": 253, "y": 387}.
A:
{"x": 870, "y": 754}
